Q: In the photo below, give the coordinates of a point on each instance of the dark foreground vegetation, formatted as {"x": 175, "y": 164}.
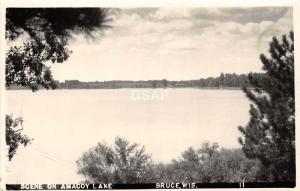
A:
{"x": 270, "y": 134}
{"x": 129, "y": 163}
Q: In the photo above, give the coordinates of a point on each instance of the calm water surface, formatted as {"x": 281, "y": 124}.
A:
{"x": 65, "y": 123}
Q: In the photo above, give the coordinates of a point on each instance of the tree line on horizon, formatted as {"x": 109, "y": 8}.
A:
{"x": 226, "y": 80}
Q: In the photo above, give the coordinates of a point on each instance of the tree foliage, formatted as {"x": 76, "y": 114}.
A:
{"x": 25, "y": 65}
{"x": 128, "y": 163}
{"x": 14, "y": 136}
{"x": 49, "y": 30}
{"x": 270, "y": 133}
{"x": 61, "y": 22}
{"x": 123, "y": 163}
{"x": 209, "y": 164}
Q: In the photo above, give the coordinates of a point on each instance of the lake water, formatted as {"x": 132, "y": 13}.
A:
{"x": 65, "y": 123}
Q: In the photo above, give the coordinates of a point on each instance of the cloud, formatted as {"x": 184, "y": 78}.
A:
{"x": 240, "y": 15}
{"x": 179, "y": 43}
{"x": 164, "y": 13}
{"x": 256, "y": 15}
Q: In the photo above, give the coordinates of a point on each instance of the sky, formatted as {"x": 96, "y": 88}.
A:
{"x": 176, "y": 44}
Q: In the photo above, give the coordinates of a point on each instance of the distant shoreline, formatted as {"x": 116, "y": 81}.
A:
{"x": 222, "y": 82}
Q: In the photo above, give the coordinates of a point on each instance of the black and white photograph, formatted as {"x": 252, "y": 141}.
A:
{"x": 170, "y": 96}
